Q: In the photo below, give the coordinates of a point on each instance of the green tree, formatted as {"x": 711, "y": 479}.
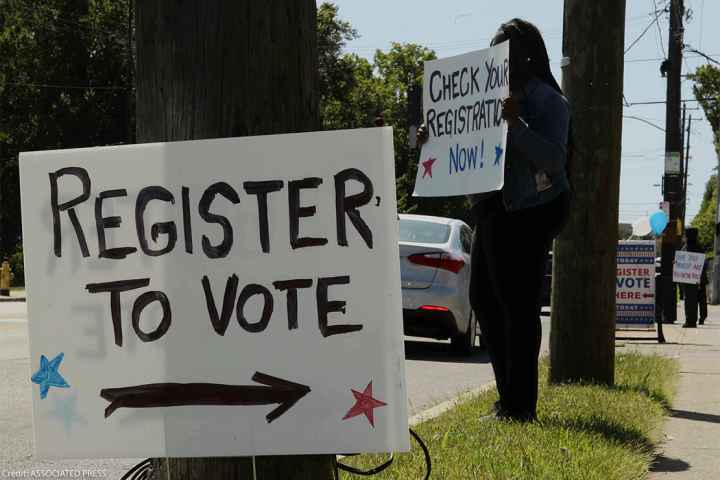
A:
{"x": 399, "y": 69}
{"x": 707, "y": 91}
{"x": 704, "y": 221}
{"x": 354, "y": 92}
{"x": 64, "y": 73}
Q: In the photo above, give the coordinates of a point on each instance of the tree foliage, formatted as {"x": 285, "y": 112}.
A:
{"x": 704, "y": 221}
{"x": 66, "y": 80}
{"x": 356, "y": 93}
{"x": 707, "y": 92}
{"x": 64, "y": 73}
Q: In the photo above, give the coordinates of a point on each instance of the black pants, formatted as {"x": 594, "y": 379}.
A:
{"x": 695, "y": 299}
{"x": 691, "y": 304}
{"x": 509, "y": 253}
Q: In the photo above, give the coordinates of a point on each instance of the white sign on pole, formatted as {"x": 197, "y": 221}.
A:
{"x": 688, "y": 267}
{"x": 462, "y": 96}
{"x": 673, "y": 163}
{"x": 215, "y": 298}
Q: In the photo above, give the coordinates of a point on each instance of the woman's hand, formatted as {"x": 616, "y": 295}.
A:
{"x": 511, "y": 111}
{"x": 422, "y": 135}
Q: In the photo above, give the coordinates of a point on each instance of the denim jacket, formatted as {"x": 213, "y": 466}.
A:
{"x": 535, "y": 166}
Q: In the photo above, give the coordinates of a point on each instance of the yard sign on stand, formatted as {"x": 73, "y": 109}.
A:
{"x": 215, "y": 298}
{"x": 635, "y": 283}
{"x": 462, "y": 96}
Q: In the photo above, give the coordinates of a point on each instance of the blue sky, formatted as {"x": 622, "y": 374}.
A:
{"x": 457, "y": 26}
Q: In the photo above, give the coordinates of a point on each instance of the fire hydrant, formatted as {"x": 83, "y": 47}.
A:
{"x": 5, "y": 277}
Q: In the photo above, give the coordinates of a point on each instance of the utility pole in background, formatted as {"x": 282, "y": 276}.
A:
{"x": 582, "y": 337}
{"x": 211, "y": 69}
{"x": 673, "y": 178}
{"x": 686, "y": 166}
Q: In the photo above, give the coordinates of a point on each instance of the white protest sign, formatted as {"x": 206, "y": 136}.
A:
{"x": 688, "y": 267}
{"x": 465, "y": 152}
{"x": 215, "y": 298}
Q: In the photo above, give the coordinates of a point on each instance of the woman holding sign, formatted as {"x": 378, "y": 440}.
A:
{"x": 515, "y": 227}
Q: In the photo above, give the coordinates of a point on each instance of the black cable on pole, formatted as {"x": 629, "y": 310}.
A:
{"x": 384, "y": 466}
{"x": 426, "y": 452}
{"x": 141, "y": 471}
{"x": 365, "y": 473}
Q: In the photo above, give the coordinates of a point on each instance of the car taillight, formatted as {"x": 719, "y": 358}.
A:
{"x": 434, "y": 308}
{"x": 444, "y": 261}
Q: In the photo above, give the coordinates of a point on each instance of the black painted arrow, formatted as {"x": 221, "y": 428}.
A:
{"x": 276, "y": 390}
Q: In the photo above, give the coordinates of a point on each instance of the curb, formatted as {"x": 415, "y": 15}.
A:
{"x": 437, "y": 410}
{"x": 11, "y": 299}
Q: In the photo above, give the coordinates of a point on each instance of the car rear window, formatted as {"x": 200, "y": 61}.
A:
{"x": 420, "y": 231}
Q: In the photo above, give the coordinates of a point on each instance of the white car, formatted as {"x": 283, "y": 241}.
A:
{"x": 435, "y": 271}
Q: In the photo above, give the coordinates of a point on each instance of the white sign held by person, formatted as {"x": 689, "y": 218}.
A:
{"x": 462, "y": 99}
{"x": 688, "y": 267}
{"x": 221, "y": 297}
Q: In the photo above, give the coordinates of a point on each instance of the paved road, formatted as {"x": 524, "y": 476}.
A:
{"x": 433, "y": 373}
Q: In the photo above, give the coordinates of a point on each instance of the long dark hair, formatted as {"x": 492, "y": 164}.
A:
{"x": 529, "y": 36}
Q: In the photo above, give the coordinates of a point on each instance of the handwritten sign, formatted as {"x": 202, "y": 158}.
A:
{"x": 635, "y": 283}
{"x": 465, "y": 152}
{"x": 688, "y": 267}
{"x": 215, "y": 298}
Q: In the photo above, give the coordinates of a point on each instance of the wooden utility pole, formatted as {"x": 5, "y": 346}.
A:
{"x": 686, "y": 166}
{"x": 212, "y": 68}
{"x": 673, "y": 178}
{"x": 582, "y": 338}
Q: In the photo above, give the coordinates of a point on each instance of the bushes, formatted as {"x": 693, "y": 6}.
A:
{"x": 18, "y": 267}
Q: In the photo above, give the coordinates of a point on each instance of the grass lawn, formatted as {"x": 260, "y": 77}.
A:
{"x": 584, "y": 432}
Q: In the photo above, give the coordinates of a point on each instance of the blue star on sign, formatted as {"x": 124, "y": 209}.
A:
{"x": 498, "y": 154}
{"x": 65, "y": 410}
{"x": 48, "y": 375}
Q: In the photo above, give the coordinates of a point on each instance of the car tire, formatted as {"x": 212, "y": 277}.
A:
{"x": 464, "y": 344}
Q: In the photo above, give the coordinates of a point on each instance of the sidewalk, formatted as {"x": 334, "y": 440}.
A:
{"x": 691, "y": 446}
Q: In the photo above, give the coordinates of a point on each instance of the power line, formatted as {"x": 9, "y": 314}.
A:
{"x": 659, "y": 102}
{"x": 705, "y": 56}
{"x": 648, "y": 122}
{"x": 660, "y": 37}
{"x": 657, "y": 15}
{"x": 649, "y": 60}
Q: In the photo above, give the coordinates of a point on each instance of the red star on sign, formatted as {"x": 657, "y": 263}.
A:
{"x": 428, "y": 165}
{"x": 364, "y": 404}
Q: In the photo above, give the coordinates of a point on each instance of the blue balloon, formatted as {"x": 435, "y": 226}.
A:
{"x": 658, "y": 222}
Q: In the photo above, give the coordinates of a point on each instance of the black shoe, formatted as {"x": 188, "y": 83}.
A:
{"x": 496, "y": 414}
{"x": 688, "y": 325}
{"x": 522, "y": 418}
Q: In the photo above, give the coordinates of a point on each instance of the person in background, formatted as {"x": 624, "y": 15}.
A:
{"x": 692, "y": 293}
{"x": 702, "y": 294}
{"x": 515, "y": 227}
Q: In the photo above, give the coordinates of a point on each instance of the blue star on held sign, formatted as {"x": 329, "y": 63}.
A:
{"x": 498, "y": 154}
{"x": 48, "y": 376}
